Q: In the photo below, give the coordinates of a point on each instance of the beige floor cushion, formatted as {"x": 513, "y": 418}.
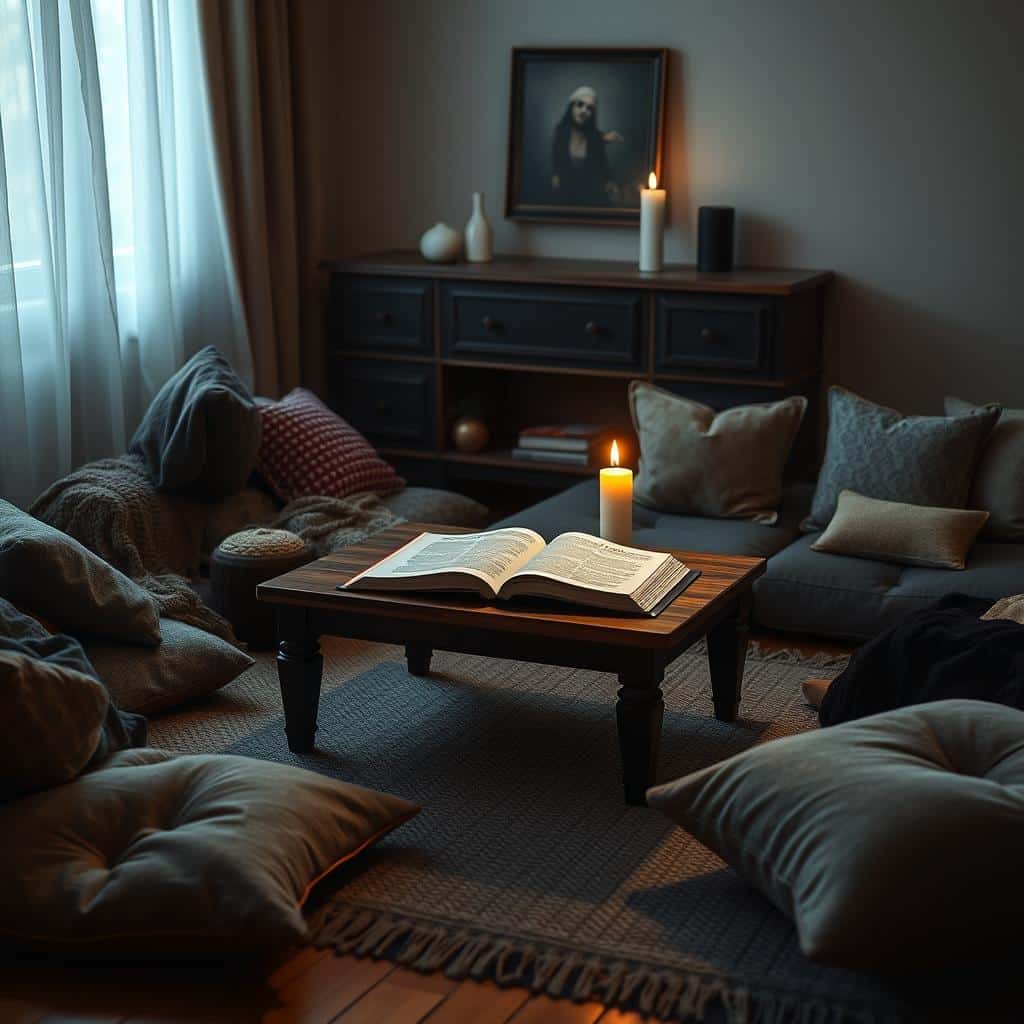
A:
{"x": 179, "y": 855}
{"x": 894, "y": 843}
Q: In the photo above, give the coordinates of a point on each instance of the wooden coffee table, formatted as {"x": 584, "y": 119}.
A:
{"x": 717, "y": 605}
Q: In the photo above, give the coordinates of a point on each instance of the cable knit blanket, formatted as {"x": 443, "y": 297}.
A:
{"x": 113, "y": 508}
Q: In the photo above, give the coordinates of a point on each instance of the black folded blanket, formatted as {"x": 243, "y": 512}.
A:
{"x": 942, "y": 652}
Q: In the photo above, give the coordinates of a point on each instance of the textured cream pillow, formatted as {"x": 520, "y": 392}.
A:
{"x": 894, "y": 842}
{"x": 891, "y": 531}
{"x": 180, "y": 855}
{"x": 725, "y": 465}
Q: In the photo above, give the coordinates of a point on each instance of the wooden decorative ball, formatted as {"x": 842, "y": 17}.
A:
{"x": 470, "y": 434}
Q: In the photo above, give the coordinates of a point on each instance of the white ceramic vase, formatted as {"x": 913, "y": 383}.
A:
{"x": 479, "y": 235}
{"x": 440, "y": 244}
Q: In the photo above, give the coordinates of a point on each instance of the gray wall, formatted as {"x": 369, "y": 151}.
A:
{"x": 881, "y": 138}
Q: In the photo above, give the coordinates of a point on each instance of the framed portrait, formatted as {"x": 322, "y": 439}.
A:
{"x": 585, "y": 131}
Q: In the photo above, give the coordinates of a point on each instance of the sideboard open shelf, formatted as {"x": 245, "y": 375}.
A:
{"x": 529, "y": 340}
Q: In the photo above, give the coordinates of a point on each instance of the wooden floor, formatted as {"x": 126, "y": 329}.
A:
{"x": 311, "y": 987}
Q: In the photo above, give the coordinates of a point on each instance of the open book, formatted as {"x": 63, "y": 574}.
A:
{"x": 515, "y": 562}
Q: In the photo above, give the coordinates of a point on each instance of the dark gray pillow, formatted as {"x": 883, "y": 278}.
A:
{"x": 999, "y": 482}
{"x": 878, "y": 452}
{"x": 188, "y": 663}
{"x": 894, "y": 842}
{"x": 21, "y": 634}
{"x": 50, "y": 574}
{"x": 201, "y": 433}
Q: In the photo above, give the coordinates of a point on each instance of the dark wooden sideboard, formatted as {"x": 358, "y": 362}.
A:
{"x": 413, "y": 345}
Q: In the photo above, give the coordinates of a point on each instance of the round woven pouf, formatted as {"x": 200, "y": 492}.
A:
{"x": 238, "y": 564}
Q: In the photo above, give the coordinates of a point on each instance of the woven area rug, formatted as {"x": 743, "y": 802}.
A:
{"x": 525, "y": 866}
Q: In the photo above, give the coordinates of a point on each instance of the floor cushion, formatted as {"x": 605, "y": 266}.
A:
{"x": 53, "y": 721}
{"x": 432, "y": 505}
{"x": 187, "y": 663}
{"x": 849, "y": 598}
{"x": 153, "y": 853}
{"x": 894, "y": 842}
{"x": 45, "y": 571}
{"x": 201, "y": 432}
{"x": 21, "y": 634}
{"x": 578, "y": 509}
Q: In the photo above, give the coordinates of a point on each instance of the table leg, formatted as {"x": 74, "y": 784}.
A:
{"x": 299, "y": 670}
{"x": 639, "y": 712}
{"x": 727, "y": 654}
{"x": 418, "y": 658}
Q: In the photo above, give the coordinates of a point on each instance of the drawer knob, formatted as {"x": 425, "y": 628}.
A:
{"x": 382, "y": 407}
{"x": 490, "y": 323}
{"x": 709, "y": 335}
{"x": 592, "y": 328}
{"x": 383, "y": 317}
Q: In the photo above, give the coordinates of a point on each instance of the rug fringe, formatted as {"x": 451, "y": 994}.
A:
{"x": 669, "y": 994}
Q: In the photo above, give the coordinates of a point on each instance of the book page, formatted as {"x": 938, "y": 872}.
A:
{"x": 586, "y": 561}
{"x": 492, "y": 556}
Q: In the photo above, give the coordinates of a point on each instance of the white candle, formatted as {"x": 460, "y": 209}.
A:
{"x": 617, "y": 501}
{"x": 652, "y": 225}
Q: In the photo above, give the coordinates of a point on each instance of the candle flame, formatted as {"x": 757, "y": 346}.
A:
{"x": 652, "y": 180}
{"x": 615, "y": 453}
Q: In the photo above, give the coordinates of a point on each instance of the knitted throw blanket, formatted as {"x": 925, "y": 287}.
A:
{"x": 113, "y": 509}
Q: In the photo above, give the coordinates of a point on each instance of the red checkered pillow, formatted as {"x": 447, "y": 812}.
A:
{"x": 307, "y": 449}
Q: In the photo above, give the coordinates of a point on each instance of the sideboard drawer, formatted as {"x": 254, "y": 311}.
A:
{"x": 392, "y": 403}
{"x": 390, "y": 314}
{"x": 712, "y": 333}
{"x": 577, "y": 327}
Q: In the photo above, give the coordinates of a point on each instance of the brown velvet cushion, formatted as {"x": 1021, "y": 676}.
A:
{"x": 53, "y": 719}
{"x": 999, "y": 480}
{"x": 891, "y": 531}
{"x": 153, "y": 853}
{"x": 894, "y": 842}
{"x": 694, "y": 461}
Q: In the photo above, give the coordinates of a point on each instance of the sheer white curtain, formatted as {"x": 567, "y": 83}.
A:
{"x": 114, "y": 256}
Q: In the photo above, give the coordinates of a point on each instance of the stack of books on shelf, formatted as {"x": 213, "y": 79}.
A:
{"x": 573, "y": 444}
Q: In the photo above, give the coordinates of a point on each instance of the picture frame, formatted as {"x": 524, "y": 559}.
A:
{"x": 586, "y": 127}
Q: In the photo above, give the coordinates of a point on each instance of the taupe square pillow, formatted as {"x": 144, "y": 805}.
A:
{"x": 187, "y": 663}
{"x": 999, "y": 479}
{"x": 53, "y": 722}
{"x": 890, "y": 531}
{"x": 179, "y": 855}
{"x": 50, "y": 574}
{"x": 894, "y": 842}
{"x": 727, "y": 465}
{"x": 878, "y": 452}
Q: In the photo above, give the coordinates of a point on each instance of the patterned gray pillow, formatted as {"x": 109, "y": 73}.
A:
{"x": 877, "y": 452}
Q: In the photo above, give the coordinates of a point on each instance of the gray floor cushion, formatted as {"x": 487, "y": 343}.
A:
{"x": 855, "y": 598}
{"x": 48, "y": 573}
{"x": 187, "y": 663}
{"x": 894, "y": 843}
{"x": 431, "y": 505}
{"x": 578, "y": 509}
{"x": 153, "y": 853}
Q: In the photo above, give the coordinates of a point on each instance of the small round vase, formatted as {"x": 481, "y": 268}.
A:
{"x": 479, "y": 235}
{"x": 440, "y": 244}
{"x": 470, "y": 434}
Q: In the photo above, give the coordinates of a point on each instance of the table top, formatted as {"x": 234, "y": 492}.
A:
{"x": 723, "y": 579}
